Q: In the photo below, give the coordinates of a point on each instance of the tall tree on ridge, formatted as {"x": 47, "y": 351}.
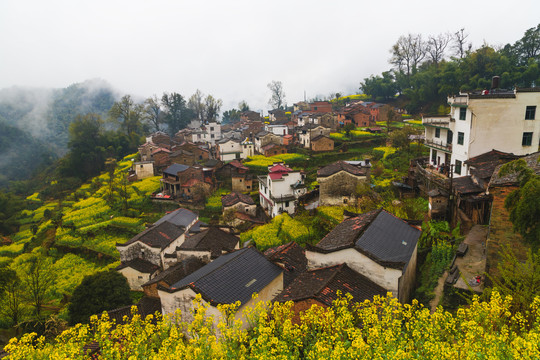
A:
{"x": 278, "y": 95}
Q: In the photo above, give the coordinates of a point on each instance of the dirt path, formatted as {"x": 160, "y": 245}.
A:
{"x": 438, "y": 292}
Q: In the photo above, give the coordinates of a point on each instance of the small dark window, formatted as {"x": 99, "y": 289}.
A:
{"x": 460, "y": 137}
{"x": 286, "y": 204}
{"x": 449, "y": 136}
{"x": 530, "y": 113}
{"x": 462, "y": 113}
{"x": 211, "y": 128}
{"x": 457, "y": 168}
{"x": 527, "y": 139}
{"x": 315, "y": 108}
{"x": 437, "y": 132}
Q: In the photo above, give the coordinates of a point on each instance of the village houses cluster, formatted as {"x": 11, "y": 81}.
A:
{"x": 179, "y": 256}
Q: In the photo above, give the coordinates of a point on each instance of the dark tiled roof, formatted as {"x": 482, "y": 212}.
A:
{"x": 319, "y": 137}
{"x": 533, "y": 162}
{"x": 232, "y": 277}
{"x": 213, "y": 239}
{"x": 341, "y": 166}
{"x": 143, "y": 266}
{"x": 180, "y": 217}
{"x": 234, "y": 198}
{"x": 465, "y": 185}
{"x": 158, "y": 236}
{"x": 197, "y": 227}
{"x": 237, "y": 164}
{"x": 291, "y": 255}
{"x": 345, "y": 234}
{"x": 323, "y": 285}
{"x": 484, "y": 164}
{"x": 174, "y": 169}
{"x": 177, "y": 272}
{"x": 389, "y": 240}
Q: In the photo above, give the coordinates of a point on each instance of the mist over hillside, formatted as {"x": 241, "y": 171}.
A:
{"x": 34, "y": 123}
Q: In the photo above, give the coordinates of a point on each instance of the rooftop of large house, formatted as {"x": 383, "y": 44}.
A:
{"x": 180, "y": 217}
{"x": 484, "y": 164}
{"x": 231, "y": 277}
{"x": 174, "y": 169}
{"x": 212, "y": 239}
{"x": 512, "y": 177}
{"x": 341, "y": 166}
{"x": 323, "y": 285}
{"x": 235, "y": 198}
{"x": 291, "y": 255}
{"x": 377, "y": 234}
{"x": 158, "y": 236}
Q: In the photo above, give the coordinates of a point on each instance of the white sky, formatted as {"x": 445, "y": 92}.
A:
{"x": 232, "y": 49}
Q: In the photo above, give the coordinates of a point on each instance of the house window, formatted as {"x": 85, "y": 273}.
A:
{"x": 449, "y": 137}
{"x": 286, "y": 204}
{"x": 527, "y": 139}
{"x": 530, "y": 112}
{"x": 315, "y": 108}
{"x": 140, "y": 277}
{"x": 437, "y": 132}
{"x": 211, "y": 128}
{"x": 457, "y": 167}
{"x": 248, "y": 187}
{"x": 211, "y": 136}
{"x": 460, "y": 137}
{"x": 462, "y": 113}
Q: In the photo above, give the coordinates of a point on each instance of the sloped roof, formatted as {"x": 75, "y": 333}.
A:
{"x": 280, "y": 168}
{"x": 484, "y": 164}
{"x": 345, "y": 234}
{"x": 465, "y": 185}
{"x": 323, "y": 285}
{"x": 320, "y": 137}
{"x": 341, "y": 166}
{"x": 291, "y": 255}
{"x": 388, "y": 240}
{"x": 174, "y": 169}
{"x": 213, "y": 239}
{"x": 235, "y": 197}
{"x": 237, "y": 164}
{"x": 158, "y": 236}
{"x": 231, "y": 277}
{"x": 180, "y": 217}
{"x": 379, "y": 235}
{"x": 533, "y": 162}
{"x": 177, "y": 272}
{"x": 143, "y": 266}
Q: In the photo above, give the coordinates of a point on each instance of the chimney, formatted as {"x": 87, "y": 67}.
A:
{"x": 495, "y": 82}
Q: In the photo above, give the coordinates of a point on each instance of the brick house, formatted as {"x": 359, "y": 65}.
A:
{"x": 322, "y": 143}
{"x": 273, "y": 149}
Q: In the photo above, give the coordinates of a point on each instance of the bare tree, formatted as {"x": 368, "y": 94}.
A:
{"x": 461, "y": 47}
{"x": 277, "y": 101}
{"x": 212, "y": 107}
{"x": 196, "y": 104}
{"x": 153, "y": 112}
{"x": 408, "y": 52}
{"x": 39, "y": 279}
{"x": 436, "y": 45}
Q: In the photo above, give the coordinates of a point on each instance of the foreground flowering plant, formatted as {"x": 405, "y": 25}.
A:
{"x": 380, "y": 329}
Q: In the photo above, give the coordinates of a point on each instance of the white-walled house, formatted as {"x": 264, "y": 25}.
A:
{"x": 231, "y": 149}
{"x": 231, "y": 277}
{"x": 504, "y": 120}
{"x": 143, "y": 256}
{"x": 281, "y": 129}
{"x": 208, "y": 133}
{"x": 310, "y": 131}
{"x": 279, "y": 190}
{"x": 377, "y": 245}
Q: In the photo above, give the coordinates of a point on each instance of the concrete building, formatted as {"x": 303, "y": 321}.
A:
{"x": 279, "y": 190}
{"x": 479, "y": 122}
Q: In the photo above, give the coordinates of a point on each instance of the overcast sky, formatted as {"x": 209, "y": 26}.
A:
{"x": 232, "y": 49}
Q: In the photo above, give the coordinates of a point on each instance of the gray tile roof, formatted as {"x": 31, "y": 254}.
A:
{"x": 180, "y": 217}
{"x": 177, "y": 272}
{"x": 213, "y": 239}
{"x": 389, "y": 240}
{"x": 231, "y": 277}
{"x": 158, "y": 236}
{"x": 174, "y": 169}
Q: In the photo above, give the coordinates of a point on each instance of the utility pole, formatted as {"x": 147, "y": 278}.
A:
{"x": 451, "y": 196}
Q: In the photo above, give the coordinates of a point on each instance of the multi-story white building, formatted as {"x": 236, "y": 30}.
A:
{"x": 480, "y": 122}
{"x": 230, "y": 149}
{"x": 279, "y": 190}
{"x": 208, "y": 133}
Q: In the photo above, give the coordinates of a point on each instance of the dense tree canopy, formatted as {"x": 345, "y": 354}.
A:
{"x": 106, "y": 290}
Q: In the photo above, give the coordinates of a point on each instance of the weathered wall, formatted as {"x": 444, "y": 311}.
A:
{"x": 135, "y": 278}
{"x": 140, "y": 250}
{"x": 388, "y": 278}
{"x": 337, "y": 187}
{"x": 408, "y": 279}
